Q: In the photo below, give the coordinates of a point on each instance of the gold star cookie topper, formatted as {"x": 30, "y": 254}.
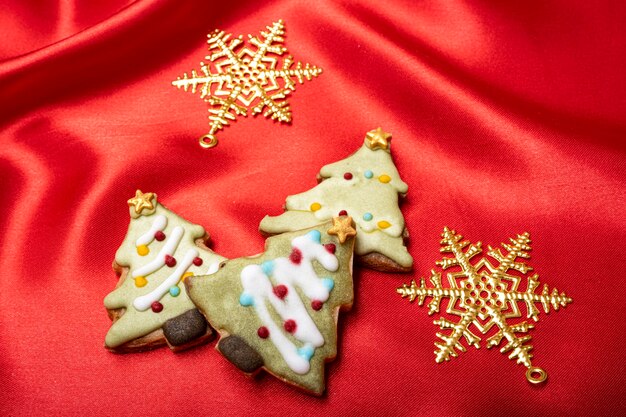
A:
{"x": 342, "y": 228}
{"x": 377, "y": 139}
{"x": 142, "y": 201}
{"x": 246, "y": 75}
{"x": 485, "y": 296}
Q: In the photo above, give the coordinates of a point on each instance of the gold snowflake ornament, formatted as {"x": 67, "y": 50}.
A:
{"x": 484, "y": 295}
{"x": 244, "y": 76}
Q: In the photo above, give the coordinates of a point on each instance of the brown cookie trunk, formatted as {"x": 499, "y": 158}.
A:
{"x": 185, "y": 331}
{"x": 240, "y": 354}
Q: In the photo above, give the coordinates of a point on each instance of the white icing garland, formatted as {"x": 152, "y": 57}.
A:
{"x": 213, "y": 268}
{"x": 145, "y": 301}
{"x": 258, "y": 288}
{"x": 158, "y": 225}
{"x": 168, "y": 249}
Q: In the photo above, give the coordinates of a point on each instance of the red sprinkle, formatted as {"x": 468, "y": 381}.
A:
{"x": 317, "y": 305}
{"x": 170, "y": 261}
{"x": 343, "y": 213}
{"x": 290, "y": 326}
{"x": 159, "y": 236}
{"x": 263, "y": 332}
{"x": 157, "y": 307}
{"x": 330, "y": 247}
{"x": 280, "y": 291}
{"x": 347, "y": 176}
{"x": 295, "y": 256}
{"x": 197, "y": 261}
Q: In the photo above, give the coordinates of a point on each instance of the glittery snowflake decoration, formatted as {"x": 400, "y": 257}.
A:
{"x": 484, "y": 295}
{"x": 243, "y": 76}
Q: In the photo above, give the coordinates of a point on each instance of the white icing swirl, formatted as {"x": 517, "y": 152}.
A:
{"x": 168, "y": 249}
{"x": 259, "y": 287}
{"x": 145, "y": 301}
{"x": 158, "y": 225}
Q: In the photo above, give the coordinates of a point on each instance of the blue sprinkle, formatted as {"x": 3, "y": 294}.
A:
{"x": 328, "y": 283}
{"x": 174, "y": 291}
{"x": 368, "y": 174}
{"x": 246, "y": 299}
{"x": 306, "y": 352}
{"x": 315, "y": 236}
{"x": 268, "y": 267}
{"x": 367, "y": 217}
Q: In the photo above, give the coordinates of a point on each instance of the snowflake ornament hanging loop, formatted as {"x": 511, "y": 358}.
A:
{"x": 208, "y": 141}
{"x": 484, "y": 295}
{"x": 536, "y": 375}
{"x": 247, "y": 78}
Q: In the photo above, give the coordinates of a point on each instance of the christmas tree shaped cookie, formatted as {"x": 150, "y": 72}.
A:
{"x": 278, "y": 311}
{"x": 150, "y": 307}
{"x": 364, "y": 186}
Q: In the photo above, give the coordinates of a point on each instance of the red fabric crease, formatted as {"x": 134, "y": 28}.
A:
{"x": 506, "y": 117}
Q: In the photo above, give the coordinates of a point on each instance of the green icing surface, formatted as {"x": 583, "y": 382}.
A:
{"x": 133, "y": 323}
{"x": 357, "y": 196}
{"x": 217, "y": 296}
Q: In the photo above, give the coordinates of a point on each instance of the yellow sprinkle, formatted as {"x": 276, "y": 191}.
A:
{"x": 140, "y": 282}
{"x": 384, "y": 178}
{"x": 186, "y": 275}
{"x": 143, "y": 250}
{"x": 315, "y": 206}
{"x": 383, "y": 224}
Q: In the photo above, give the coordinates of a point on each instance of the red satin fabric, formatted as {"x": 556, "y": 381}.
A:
{"x": 506, "y": 117}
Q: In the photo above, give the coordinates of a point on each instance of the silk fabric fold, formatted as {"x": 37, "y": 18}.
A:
{"x": 506, "y": 117}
